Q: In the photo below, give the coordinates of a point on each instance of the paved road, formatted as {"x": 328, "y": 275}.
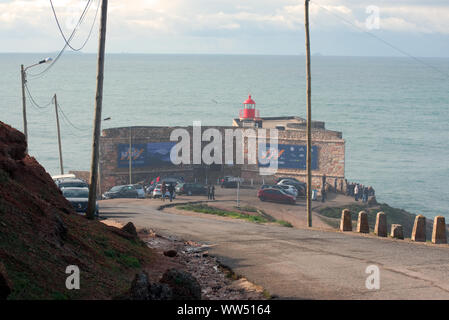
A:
{"x": 303, "y": 264}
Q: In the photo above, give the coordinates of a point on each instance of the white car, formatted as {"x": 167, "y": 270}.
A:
{"x": 291, "y": 190}
{"x": 140, "y": 191}
{"x": 157, "y": 192}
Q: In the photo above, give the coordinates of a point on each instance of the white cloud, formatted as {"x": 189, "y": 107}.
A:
{"x": 221, "y": 19}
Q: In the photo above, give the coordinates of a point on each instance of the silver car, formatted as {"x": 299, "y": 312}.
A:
{"x": 78, "y": 197}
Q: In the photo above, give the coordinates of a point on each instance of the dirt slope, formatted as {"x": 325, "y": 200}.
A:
{"x": 40, "y": 236}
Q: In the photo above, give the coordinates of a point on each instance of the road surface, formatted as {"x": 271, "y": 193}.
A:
{"x": 302, "y": 263}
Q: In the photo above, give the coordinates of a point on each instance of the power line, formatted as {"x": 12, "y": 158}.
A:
{"x": 84, "y": 12}
{"x": 383, "y": 41}
{"x": 80, "y": 21}
{"x": 33, "y": 101}
{"x": 68, "y": 120}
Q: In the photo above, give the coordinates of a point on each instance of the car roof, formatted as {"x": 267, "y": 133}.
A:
{"x": 71, "y": 180}
{"x": 75, "y": 188}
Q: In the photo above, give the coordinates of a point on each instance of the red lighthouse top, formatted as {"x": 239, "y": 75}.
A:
{"x": 249, "y": 111}
{"x": 249, "y": 101}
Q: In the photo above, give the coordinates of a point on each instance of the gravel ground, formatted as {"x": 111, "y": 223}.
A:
{"x": 217, "y": 282}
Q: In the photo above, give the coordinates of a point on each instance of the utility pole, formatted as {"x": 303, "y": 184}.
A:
{"x": 309, "y": 119}
{"x": 130, "y": 156}
{"x": 91, "y": 206}
{"x": 24, "y": 107}
{"x": 59, "y": 134}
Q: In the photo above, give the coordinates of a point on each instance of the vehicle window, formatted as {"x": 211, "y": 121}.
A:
{"x": 68, "y": 193}
{"x": 116, "y": 188}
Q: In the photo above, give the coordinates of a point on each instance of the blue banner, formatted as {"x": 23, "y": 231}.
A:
{"x": 145, "y": 155}
{"x": 289, "y": 156}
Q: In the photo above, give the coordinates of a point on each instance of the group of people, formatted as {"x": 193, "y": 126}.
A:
{"x": 170, "y": 188}
{"x": 359, "y": 191}
{"x": 356, "y": 190}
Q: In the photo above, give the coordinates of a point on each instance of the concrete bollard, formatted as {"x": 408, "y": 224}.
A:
{"x": 381, "y": 224}
{"x": 345, "y": 222}
{"x": 362, "y": 222}
{"x": 397, "y": 231}
{"x": 419, "y": 229}
{"x": 439, "y": 230}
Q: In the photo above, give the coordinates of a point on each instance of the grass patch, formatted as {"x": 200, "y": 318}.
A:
{"x": 284, "y": 223}
{"x": 202, "y": 208}
{"x": 261, "y": 216}
{"x": 247, "y": 209}
{"x": 123, "y": 259}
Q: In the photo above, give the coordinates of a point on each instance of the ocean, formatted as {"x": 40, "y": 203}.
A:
{"x": 393, "y": 112}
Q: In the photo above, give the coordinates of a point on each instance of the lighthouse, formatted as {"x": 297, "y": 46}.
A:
{"x": 249, "y": 115}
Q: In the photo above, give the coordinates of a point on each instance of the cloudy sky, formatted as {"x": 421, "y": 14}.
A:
{"x": 338, "y": 27}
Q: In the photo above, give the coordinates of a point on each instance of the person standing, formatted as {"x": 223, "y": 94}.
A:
{"x": 365, "y": 194}
{"x": 171, "y": 190}
{"x": 212, "y": 192}
{"x": 163, "y": 190}
{"x": 356, "y": 192}
{"x": 208, "y": 192}
{"x": 323, "y": 193}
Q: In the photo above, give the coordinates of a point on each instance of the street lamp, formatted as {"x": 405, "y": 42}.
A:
{"x": 23, "y": 73}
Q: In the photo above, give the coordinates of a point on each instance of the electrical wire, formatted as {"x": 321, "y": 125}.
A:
{"x": 68, "y": 120}
{"x": 67, "y": 41}
{"x": 84, "y": 12}
{"x": 33, "y": 101}
{"x": 382, "y": 40}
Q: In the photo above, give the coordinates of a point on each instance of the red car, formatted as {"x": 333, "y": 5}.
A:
{"x": 275, "y": 195}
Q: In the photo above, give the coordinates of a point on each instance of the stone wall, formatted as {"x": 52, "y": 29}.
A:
{"x": 331, "y": 157}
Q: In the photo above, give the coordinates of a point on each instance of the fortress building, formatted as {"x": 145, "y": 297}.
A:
{"x": 151, "y": 146}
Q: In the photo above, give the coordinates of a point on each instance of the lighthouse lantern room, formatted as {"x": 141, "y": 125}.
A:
{"x": 249, "y": 111}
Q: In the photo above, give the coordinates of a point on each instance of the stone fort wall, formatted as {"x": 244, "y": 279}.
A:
{"x": 331, "y": 157}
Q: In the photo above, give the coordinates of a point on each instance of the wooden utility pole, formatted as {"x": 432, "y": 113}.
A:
{"x": 309, "y": 119}
{"x": 59, "y": 134}
{"x": 24, "y": 107}
{"x": 91, "y": 206}
{"x": 130, "y": 155}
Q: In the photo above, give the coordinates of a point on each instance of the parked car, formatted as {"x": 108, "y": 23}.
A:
{"x": 230, "y": 182}
{"x": 78, "y": 197}
{"x": 125, "y": 191}
{"x": 275, "y": 195}
{"x": 191, "y": 189}
{"x": 140, "y": 191}
{"x": 291, "y": 190}
{"x": 288, "y": 178}
{"x": 152, "y": 184}
{"x": 157, "y": 192}
{"x": 71, "y": 183}
{"x": 300, "y": 186}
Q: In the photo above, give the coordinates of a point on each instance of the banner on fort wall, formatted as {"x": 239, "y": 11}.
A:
{"x": 145, "y": 155}
{"x": 289, "y": 156}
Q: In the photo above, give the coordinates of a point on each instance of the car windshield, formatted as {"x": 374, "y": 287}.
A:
{"x": 116, "y": 188}
{"x": 75, "y": 193}
{"x": 73, "y": 184}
